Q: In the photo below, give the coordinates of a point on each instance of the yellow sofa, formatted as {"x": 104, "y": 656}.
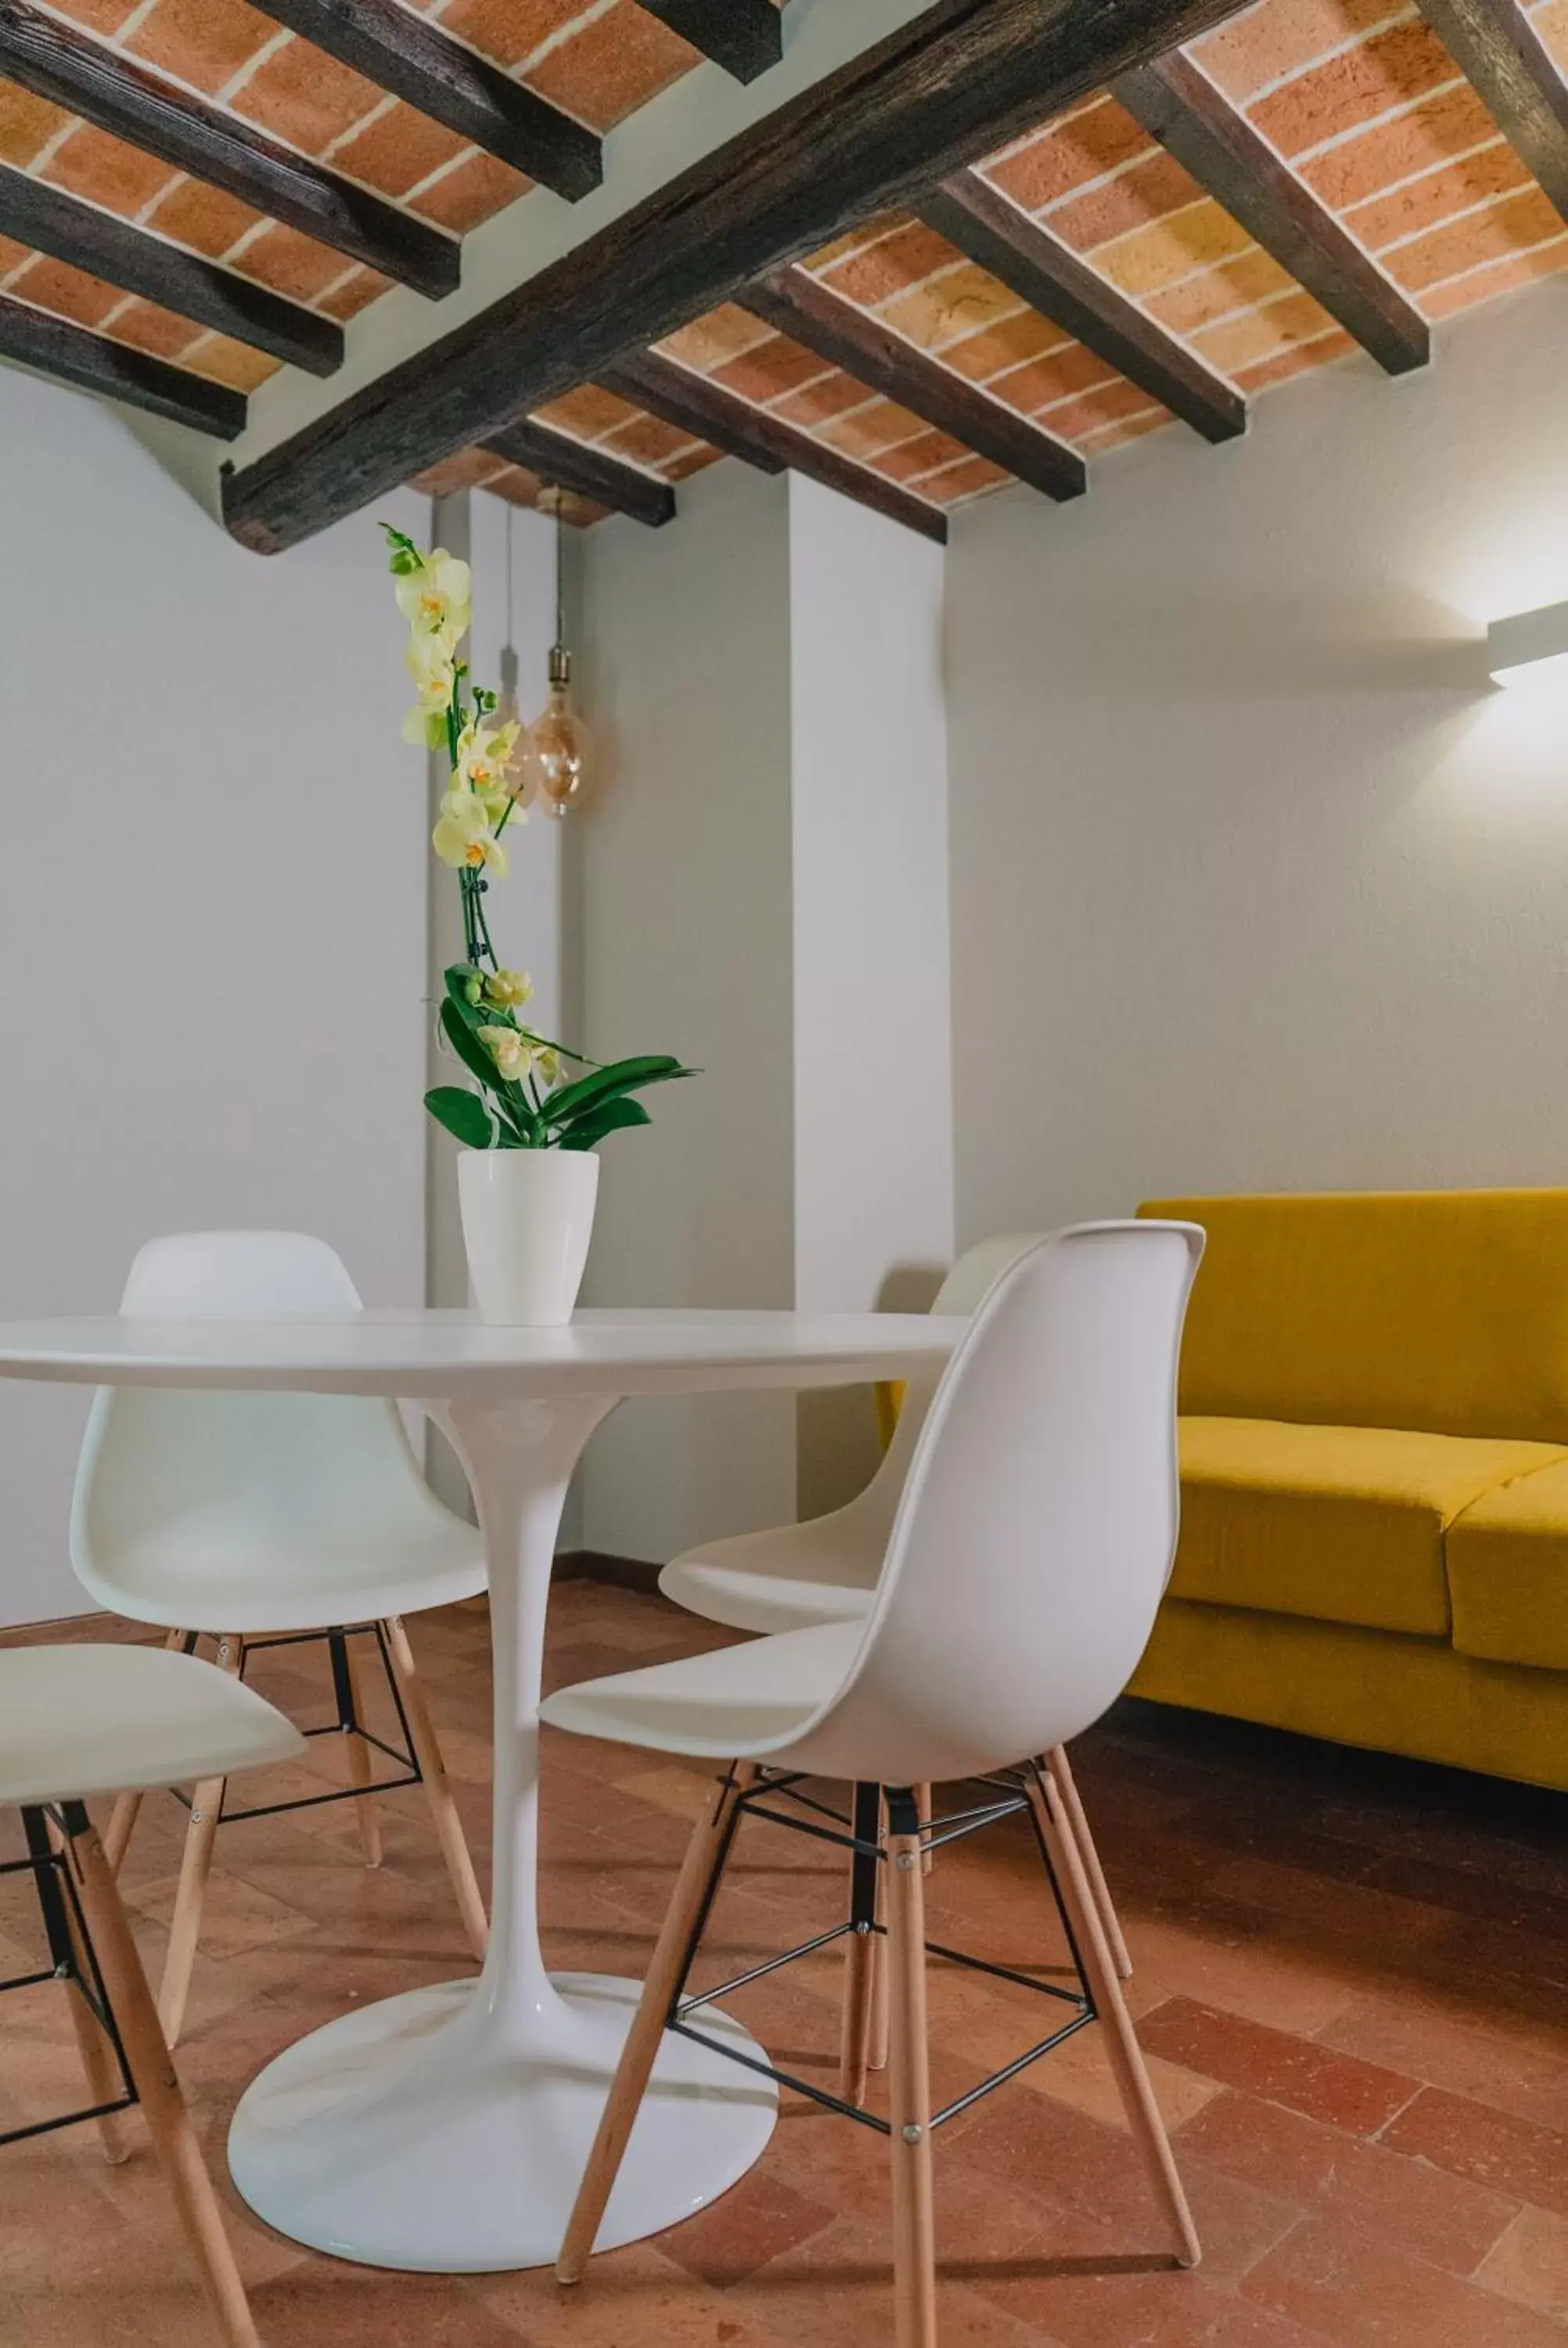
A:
{"x": 1374, "y": 1441}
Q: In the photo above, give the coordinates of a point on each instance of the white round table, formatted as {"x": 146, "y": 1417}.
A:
{"x": 447, "y": 2129}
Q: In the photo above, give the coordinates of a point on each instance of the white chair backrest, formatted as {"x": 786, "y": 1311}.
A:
{"x": 218, "y": 1482}
{"x": 964, "y": 1289}
{"x": 1038, "y": 1521}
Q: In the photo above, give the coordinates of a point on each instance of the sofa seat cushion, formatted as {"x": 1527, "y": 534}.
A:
{"x": 1507, "y": 1573}
{"x": 1344, "y": 1524}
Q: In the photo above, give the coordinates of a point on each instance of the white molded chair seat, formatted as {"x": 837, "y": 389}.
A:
{"x": 762, "y": 1696}
{"x": 1028, "y": 1550}
{"x": 243, "y": 1516}
{"x": 250, "y": 1513}
{"x": 826, "y": 1570}
{"x": 80, "y": 1721}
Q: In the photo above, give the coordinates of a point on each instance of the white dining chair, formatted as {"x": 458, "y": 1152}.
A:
{"x": 264, "y": 1520}
{"x": 826, "y": 1570}
{"x": 83, "y": 1721}
{"x": 1047, "y": 1462}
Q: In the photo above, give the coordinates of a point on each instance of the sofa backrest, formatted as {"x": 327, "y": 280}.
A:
{"x": 1445, "y": 1311}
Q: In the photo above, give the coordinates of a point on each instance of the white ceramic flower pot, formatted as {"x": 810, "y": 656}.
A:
{"x": 527, "y": 1218}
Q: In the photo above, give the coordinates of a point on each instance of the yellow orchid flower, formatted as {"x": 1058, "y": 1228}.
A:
{"x": 436, "y": 599}
{"x": 463, "y": 836}
{"x": 546, "y": 1066}
{"x": 507, "y": 987}
{"x": 484, "y": 757}
{"x": 512, "y": 1053}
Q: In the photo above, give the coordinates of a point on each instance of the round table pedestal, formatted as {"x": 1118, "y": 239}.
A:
{"x": 410, "y": 2135}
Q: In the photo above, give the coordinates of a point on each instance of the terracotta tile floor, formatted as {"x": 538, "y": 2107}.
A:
{"x": 1352, "y": 1983}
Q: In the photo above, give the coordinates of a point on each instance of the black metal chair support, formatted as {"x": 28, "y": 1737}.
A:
{"x": 65, "y": 1932}
{"x": 860, "y": 1834}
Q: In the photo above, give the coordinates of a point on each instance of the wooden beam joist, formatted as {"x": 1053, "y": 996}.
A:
{"x": 55, "y": 61}
{"x": 745, "y": 37}
{"x": 415, "y": 60}
{"x": 957, "y": 81}
{"x": 59, "y": 348}
{"x": 35, "y": 213}
{"x": 765, "y": 440}
{"x": 1502, "y": 55}
{"x": 1178, "y": 105}
{"x": 1048, "y": 276}
{"x": 568, "y": 464}
{"x": 690, "y": 403}
{"x": 800, "y": 307}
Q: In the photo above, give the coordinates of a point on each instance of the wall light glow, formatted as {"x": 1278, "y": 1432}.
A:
{"x": 1529, "y": 648}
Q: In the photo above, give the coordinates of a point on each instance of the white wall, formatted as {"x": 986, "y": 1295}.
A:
{"x": 1253, "y": 884}
{"x": 763, "y": 888}
{"x": 873, "y": 1073}
{"x": 212, "y": 950}
{"x": 685, "y": 946}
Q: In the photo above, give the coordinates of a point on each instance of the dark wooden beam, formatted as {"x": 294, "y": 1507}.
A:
{"x": 109, "y": 247}
{"x": 105, "y": 88}
{"x": 690, "y": 403}
{"x": 55, "y": 347}
{"x": 1178, "y": 105}
{"x": 569, "y": 464}
{"x": 801, "y": 308}
{"x": 1499, "y": 50}
{"x": 745, "y": 37}
{"x": 413, "y": 58}
{"x": 1050, "y": 276}
{"x": 959, "y": 80}
{"x": 769, "y": 444}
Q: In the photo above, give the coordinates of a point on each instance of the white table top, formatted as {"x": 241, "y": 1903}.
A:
{"x": 430, "y": 1355}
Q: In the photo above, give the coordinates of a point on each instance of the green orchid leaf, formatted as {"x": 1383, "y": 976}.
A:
{"x": 465, "y": 1115}
{"x": 569, "y": 1101}
{"x": 459, "y": 1033}
{"x": 588, "y": 1131}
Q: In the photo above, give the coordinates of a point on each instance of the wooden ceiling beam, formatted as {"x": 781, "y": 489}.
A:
{"x": 406, "y": 54}
{"x": 802, "y": 307}
{"x": 59, "y": 348}
{"x": 1502, "y": 55}
{"x": 57, "y": 61}
{"x": 105, "y": 246}
{"x": 564, "y": 463}
{"x": 766, "y": 442}
{"x": 1178, "y": 105}
{"x": 957, "y": 80}
{"x": 1050, "y": 276}
{"x": 745, "y": 37}
{"x": 690, "y": 403}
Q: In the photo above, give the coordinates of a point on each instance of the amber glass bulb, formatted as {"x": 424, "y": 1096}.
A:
{"x": 557, "y": 749}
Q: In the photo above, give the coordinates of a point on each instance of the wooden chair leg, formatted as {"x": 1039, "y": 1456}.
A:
{"x": 437, "y": 1787}
{"x": 185, "y": 1930}
{"x": 1143, "y": 2117}
{"x": 153, "y": 2074}
{"x": 128, "y": 1807}
{"x": 1060, "y": 1769}
{"x": 699, "y": 1879}
{"x": 909, "y": 2087}
{"x": 351, "y": 1710}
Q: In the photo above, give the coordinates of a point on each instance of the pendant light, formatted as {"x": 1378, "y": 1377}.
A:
{"x": 558, "y": 748}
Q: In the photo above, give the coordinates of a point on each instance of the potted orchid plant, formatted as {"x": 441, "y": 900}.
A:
{"x": 532, "y": 1112}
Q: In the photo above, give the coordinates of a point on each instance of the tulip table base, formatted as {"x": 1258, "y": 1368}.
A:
{"x": 410, "y": 2135}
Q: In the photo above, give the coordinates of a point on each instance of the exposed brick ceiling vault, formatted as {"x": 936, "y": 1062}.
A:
{"x": 1359, "y": 99}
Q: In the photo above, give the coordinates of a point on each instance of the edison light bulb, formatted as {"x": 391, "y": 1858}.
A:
{"x": 557, "y": 749}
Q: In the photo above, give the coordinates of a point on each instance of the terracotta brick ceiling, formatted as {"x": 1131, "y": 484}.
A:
{"x": 1359, "y": 97}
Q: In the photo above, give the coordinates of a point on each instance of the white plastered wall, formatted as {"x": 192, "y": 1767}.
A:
{"x": 1255, "y": 883}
